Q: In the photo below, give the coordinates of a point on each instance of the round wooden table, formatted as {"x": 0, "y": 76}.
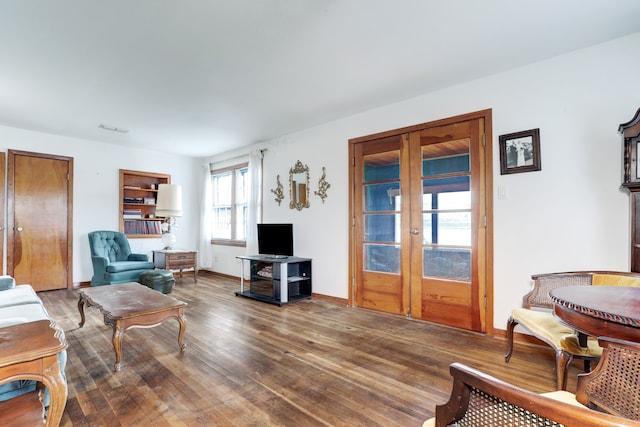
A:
{"x": 610, "y": 311}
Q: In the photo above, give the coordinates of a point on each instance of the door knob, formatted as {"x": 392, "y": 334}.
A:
{"x": 415, "y": 231}
{"x": 19, "y": 228}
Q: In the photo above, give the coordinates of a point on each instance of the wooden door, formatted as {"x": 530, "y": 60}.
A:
{"x": 39, "y": 233}
{"x": 419, "y": 213}
{"x": 380, "y": 257}
{"x": 447, "y": 224}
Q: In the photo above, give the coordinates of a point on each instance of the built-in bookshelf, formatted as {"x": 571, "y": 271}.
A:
{"x": 138, "y": 195}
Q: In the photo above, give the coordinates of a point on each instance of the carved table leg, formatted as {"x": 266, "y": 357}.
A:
{"x": 118, "y": 333}
{"x": 183, "y": 326}
{"x": 54, "y": 381}
{"x": 81, "y": 310}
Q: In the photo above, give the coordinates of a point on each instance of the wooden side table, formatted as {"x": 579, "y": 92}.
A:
{"x": 29, "y": 351}
{"x": 177, "y": 259}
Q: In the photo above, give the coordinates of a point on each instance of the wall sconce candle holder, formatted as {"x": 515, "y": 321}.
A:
{"x": 323, "y": 186}
{"x": 279, "y": 192}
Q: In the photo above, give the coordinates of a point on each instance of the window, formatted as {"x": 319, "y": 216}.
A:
{"x": 230, "y": 205}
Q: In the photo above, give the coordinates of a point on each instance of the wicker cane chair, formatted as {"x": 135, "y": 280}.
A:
{"x": 614, "y": 385}
{"x": 478, "y": 399}
{"x": 536, "y": 316}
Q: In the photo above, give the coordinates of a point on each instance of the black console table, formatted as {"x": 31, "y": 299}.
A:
{"x": 276, "y": 280}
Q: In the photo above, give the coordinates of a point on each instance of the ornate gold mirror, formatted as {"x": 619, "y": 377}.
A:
{"x": 299, "y": 186}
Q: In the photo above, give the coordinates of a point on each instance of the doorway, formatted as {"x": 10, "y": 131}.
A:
{"x": 39, "y": 218}
{"x": 420, "y": 239}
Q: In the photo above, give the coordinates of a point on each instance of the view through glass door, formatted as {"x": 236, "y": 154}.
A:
{"x": 419, "y": 237}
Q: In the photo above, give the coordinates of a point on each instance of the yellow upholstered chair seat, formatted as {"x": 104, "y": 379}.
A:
{"x": 544, "y": 326}
{"x": 563, "y": 396}
{"x": 615, "y": 280}
{"x": 570, "y": 344}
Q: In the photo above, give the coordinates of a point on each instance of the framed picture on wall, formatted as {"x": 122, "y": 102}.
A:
{"x": 520, "y": 152}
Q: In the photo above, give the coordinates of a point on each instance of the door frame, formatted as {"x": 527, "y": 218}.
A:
{"x": 11, "y": 208}
{"x": 488, "y": 187}
{"x": 3, "y": 199}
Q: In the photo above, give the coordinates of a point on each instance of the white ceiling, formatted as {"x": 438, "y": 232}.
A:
{"x": 200, "y": 77}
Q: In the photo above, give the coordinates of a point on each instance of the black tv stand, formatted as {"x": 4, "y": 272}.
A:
{"x": 276, "y": 279}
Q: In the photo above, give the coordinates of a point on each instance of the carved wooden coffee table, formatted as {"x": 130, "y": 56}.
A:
{"x": 132, "y": 305}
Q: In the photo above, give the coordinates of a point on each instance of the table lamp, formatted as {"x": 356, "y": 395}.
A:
{"x": 169, "y": 205}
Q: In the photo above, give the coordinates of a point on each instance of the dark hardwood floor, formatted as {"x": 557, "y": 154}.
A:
{"x": 248, "y": 363}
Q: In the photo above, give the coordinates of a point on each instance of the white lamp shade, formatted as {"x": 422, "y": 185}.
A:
{"x": 169, "y": 203}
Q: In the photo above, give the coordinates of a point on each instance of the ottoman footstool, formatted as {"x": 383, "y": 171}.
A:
{"x": 159, "y": 280}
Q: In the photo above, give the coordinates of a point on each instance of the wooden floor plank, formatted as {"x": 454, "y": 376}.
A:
{"x": 247, "y": 363}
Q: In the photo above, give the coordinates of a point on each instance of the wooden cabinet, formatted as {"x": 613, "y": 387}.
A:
{"x": 276, "y": 280}
{"x": 631, "y": 181}
{"x": 138, "y": 195}
{"x": 176, "y": 259}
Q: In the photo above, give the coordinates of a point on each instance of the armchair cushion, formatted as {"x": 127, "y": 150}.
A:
{"x": 7, "y": 282}
{"x": 120, "y": 266}
{"x": 138, "y": 257}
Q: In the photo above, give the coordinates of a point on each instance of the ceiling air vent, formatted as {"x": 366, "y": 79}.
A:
{"x": 113, "y": 128}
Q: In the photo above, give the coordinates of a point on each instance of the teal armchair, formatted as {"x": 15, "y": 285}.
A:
{"x": 113, "y": 261}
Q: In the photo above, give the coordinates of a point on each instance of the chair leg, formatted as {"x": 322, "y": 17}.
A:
{"x": 511, "y": 324}
{"x": 562, "y": 363}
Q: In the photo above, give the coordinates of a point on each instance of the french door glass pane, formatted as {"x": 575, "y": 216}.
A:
{"x": 382, "y": 228}
{"x": 382, "y": 166}
{"x": 447, "y": 263}
{"x": 455, "y": 200}
{"x": 453, "y": 229}
{"x": 382, "y": 258}
{"x": 382, "y": 197}
{"x": 446, "y": 158}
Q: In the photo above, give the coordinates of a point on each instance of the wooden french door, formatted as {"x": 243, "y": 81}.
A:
{"x": 39, "y": 232}
{"x": 420, "y": 222}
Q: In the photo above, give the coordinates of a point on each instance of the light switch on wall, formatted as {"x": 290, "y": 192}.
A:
{"x": 503, "y": 194}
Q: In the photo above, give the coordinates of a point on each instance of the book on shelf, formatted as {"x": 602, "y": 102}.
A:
{"x": 142, "y": 227}
{"x": 133, "y": 200}
{"x": 132, "y": 213}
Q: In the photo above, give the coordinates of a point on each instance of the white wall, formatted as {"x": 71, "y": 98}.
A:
{"x": 572, "y": 215}
{"x": 96, "y": 188}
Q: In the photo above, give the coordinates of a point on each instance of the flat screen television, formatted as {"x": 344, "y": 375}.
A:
{"x": 275, "y": 240}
